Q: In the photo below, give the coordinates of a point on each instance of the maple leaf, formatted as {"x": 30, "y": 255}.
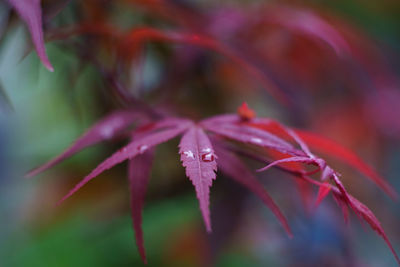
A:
{"x": 31, "y": 13}
{"x": 200, "y": 161}
{"x": 197, "y": 156}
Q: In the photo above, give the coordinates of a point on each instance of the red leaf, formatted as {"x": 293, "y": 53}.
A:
{"x": 308, "y": 23}
{"x": 236, "y": 170}
{"x": 343, "y": 205}
{"x": 322, "y": 193}
{"x": 31, "y": 13}
{"x": 133, "y": 149}
{"x": 139, "y": 170}
{"x": 365, "y": 213}
{"x": 136, "y": 37}
{"x": 285, "y": 160}
{"x": 370, "y": 218}
{"x": 305, "y": 191}
{"x": 247, "y": 134}
{"x": 334, "y": 149}
{"x": 106, "y": 128}
{"x": 197, "y": 156}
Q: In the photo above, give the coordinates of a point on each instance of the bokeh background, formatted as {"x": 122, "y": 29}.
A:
{"x": 345, "y": 88}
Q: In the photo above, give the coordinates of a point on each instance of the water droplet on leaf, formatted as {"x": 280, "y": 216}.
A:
{"x": 256, "y": 140}
{"x": 142, "y": 148}
{"x": 208, "y": 157}
{"x": 189, "y": 154}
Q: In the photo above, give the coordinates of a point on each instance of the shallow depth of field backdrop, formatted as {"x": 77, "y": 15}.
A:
{"x": 331, "y": 68}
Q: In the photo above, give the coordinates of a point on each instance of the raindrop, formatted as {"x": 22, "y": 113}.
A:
{"x": 142, "y": 148}
{"x": 208, "y": 157}
{"x": 189, "y": 154}
{"x": 206, "y": 150}
{"x": 107, "y": 132}
{"x": 256, "y": 140}
{"x": 123, "y": 149}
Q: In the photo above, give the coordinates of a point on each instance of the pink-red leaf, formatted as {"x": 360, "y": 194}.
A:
{"x": 133, "y": 149}
{"x": 139, "y": 170}
{"x": 31, "y": 13}
{"x": 365, "y": 213}
{"x": 137, "y": 36}
{"x": 236, "y": 170}
{"x": 343, "y": 205}
{"x": 105, "y": 129}
{"x": 251, "y": 135}
{"x": 285, "y": 160}
{"x": 197, "y": 156}
{"x": 308, "y": 23}
{"x": 370, "y": 218}
{"x": 331, "y": 148}
{"x": 323, "y": 191}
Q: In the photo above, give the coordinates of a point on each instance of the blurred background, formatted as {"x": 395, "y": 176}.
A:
{"x": 330, "y": 67}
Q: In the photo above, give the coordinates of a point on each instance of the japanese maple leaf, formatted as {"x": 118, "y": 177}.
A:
{"x": 202, "y": 150}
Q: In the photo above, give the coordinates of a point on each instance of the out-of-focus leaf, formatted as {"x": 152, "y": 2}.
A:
{"x": 133, "y": 40}
{"x": 310, "y": 24}
{"x": 105, "y": 129}
{"x": 31, "y": 13}
{"x": 5, "y": 102}
{"x": 323, "y": 191}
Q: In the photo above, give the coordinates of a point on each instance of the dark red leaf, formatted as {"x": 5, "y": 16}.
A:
{"x": 307, "y": 23}
{"x": 134, "y": 39}
{"x": 139, "y": 170}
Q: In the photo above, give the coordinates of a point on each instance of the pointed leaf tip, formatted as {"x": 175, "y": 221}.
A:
{"x": 334, "y": 149}
{"x": 139, "y": 170}
{"x": 31, "y": 13}
{"x": 199, "y": 160}
{"x": 286, "y": 160}
{"x": 105, "y": 129}
{"x": 322, "y": 193}
{"x": 367, "y": 215}
{"x": 134, "y": 148}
